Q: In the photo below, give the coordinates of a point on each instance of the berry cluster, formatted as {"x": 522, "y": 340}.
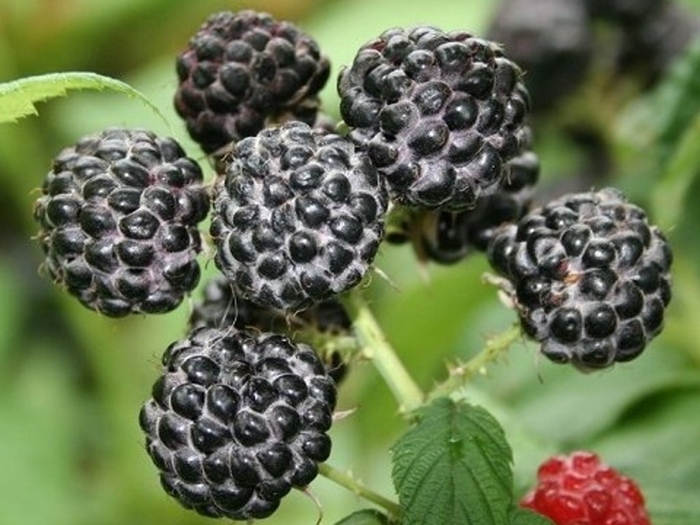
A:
{"x": 438, "y": 151}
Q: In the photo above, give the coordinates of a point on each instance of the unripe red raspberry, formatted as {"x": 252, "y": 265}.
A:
{"x": 580, "y": 489}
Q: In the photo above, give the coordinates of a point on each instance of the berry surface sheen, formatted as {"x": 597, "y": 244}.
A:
{"x": 448, "y": 237}
{"x": 579, "y": 489}
{"x": 591, "y": 277}
{"x": 237, "y": 420}
{"x": 298, "y": 217}
{"x": 439, "y": 114}
{"x": 243, "y": 70}
{"x": 118, "y": 222}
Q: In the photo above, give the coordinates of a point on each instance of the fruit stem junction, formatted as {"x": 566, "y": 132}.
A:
{"x": 350, "y": 483}
{"x": 462, "y": 373}
{"x": 376, "y": 348}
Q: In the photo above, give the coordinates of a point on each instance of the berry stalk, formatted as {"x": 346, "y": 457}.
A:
{"x": 461, "y": 374}
{"x": 350, "y": 483}
{"x": 376, "y": 348}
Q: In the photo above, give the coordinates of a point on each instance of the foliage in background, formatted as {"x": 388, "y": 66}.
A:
{"x": 72, "y": 382}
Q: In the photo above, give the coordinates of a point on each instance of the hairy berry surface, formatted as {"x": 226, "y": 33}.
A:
{"x": 438, "y": 113}
{"x": 221, "y": 308}
{"x": 242, "y": 70}
{"x": 590, "y": 276}
{"x": 237, "y": 420}
{"x": 118, "y": 222}
{"x": 298, "y": 216}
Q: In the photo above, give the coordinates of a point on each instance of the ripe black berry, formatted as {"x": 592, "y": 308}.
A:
{"x": 438, "y": 113}
{"x": 243, "y": 70}
{"x": 237, "y": 420}
{"x": 298, "y": 217}
{"x": 590, "y": 277}
{"x": 648, "y": 48}
{"x": 118, "y": 222}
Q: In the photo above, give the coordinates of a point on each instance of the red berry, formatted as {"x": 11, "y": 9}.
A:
{"x": 579, "y": 489}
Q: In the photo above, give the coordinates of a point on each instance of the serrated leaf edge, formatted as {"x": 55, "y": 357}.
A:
{"x": 17, "y": 99}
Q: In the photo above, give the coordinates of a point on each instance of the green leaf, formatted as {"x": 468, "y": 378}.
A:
{"x": 453, "y": 467}
{"x": 18, "y": 98}
{"x": 364, "y": 517}
{"x": 529, "y": 449}
{"x": 526, "y": 517}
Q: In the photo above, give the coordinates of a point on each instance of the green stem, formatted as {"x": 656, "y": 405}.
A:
{"x": 464, "y": 372}
{"x": 376, "y": 348}
{"x": 350, "y": 483}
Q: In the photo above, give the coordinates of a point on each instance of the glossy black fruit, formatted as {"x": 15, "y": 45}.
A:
{"x": 591, "y": 277}
{"x": 237, "y": 420}
{"x": 298, "y": 217}
{"x": 118, "y": 222}
{"x": 242, "y": 71}
{"x": 448, "y": 237}
{"x": 439, "y": 114}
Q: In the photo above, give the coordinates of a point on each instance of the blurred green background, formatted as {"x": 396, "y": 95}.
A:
{"x": 72, "y": 382}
